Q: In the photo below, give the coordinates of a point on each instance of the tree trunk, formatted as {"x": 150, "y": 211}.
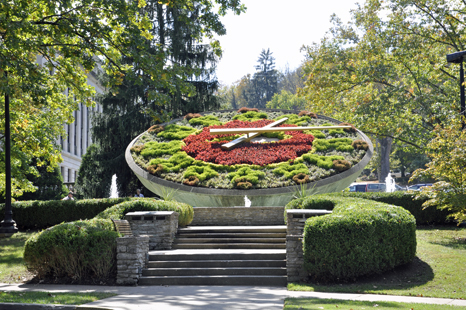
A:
{"x": 385, "y": 147}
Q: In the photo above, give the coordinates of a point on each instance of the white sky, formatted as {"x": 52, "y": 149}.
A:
{"x": 281, "y": 25}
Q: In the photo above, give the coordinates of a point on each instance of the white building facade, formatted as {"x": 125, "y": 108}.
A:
{"x": 78, "y": 138}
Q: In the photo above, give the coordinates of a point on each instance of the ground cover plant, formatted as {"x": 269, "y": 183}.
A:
{"x": 183, "y": 151}
{"x": 437, "y": 271}
{"x": 317, "y": 303}
{"x": 52, "y": 298}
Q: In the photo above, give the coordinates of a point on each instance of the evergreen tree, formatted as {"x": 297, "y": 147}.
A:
{"x": 94, "y": 177}
{"x": 189, "y": 86}
{"x": 265, "y": 80}
{"x": 49, "y": 184}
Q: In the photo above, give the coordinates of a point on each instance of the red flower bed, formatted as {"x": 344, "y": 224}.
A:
{"x": 201, "y": 148}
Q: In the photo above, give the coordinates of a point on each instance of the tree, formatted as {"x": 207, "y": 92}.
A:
{"x": 448, "y": 157}
{"x": 48, "y": 47}
{"x": 94, "y": 179}
{"x": 286, "y": 100}
{"x": 128, "y": 111}
{"x": 49, "y": 184}
{"x": 290, "y": 80}
{"x": 386, "y": 70}
{"x": 46, "y": 50}
{"x": 264, "y": 81}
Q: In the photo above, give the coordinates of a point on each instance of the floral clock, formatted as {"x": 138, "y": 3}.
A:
{"x": 184, "y": 158}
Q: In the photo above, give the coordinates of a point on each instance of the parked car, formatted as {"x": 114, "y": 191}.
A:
{"x": 376, "y": 187}
{"x": 355, "y": 187}
{"x": 372, "y": 187}
{"x": 417, "y": 187}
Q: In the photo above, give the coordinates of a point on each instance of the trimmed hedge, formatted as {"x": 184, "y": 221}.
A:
{"x": 186, "y": 212}
{"x": 359, "y": 238}
{"x": 78, "y": 250}
{"x": 42, "y": 214}
{"x": 430, "y": 215}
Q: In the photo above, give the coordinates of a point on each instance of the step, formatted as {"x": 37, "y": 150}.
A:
{"x": 214, "y": 280}
{"x": 229, "y": 240}
{"x": 230, "y": 235}
{"x": 233, "y": 229}
{"x": 217, "y": 263}
{"x": 229, "y": 246}
{"x": 214, "y": 271}
{"x": 221, "y": 254}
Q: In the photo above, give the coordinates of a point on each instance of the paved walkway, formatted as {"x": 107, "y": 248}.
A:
{"x": 209, "y": 297}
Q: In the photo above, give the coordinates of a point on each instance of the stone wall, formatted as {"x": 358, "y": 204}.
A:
{"x": 160, "y": 226}
{"x": 131, "y": 258}
{"x": 237, "y": 216}
{"x": 295, "y": 220}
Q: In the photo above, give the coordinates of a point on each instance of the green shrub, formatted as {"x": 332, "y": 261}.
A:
{"x": 205, "y": 121}
{"x": 246, "y": 173}
{"x": 186, "y": 212}
{"x": 429, "y": 215}
{"x": 360, "y": 237}
{"x": 250, "y": 116}
{"x": 289, "y": 171}
{"x": 173, "y": 164}
{"x": 339, "y": 144}
{"x": 44, "y": 214}
{"x": 78, "y": 250}
{"x": 176, "y": 132}
{"x": 316, "y": 133}
{"x": 155, "y": 149}
{"x": 325, "y": 162}
{"x": 201, "y": 172}
{"x": 294, "y": 119}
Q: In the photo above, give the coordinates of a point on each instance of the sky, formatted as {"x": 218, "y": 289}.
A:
{"x": 284, "y": 26}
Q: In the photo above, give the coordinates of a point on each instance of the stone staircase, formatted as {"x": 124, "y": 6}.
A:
{"x": 221, "y": 255}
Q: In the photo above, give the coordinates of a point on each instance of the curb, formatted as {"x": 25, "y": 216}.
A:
{"x": 20, "y": 306}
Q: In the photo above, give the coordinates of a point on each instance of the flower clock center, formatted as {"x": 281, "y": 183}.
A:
{"x": 282, "y": 146}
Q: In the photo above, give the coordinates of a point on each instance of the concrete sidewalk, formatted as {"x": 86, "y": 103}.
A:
{"x": 209, "y": 297}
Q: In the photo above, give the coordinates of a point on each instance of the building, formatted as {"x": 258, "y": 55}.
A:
{"x": 78, "y": 138}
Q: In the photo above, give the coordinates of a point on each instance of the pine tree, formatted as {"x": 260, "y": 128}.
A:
{"x": 128, "y": 110}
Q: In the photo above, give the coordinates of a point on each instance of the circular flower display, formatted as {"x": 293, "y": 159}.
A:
{"x": 185, "y": 152}
{"x": 202, "y": 147}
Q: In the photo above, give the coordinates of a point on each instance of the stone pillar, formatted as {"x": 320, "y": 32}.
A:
{"x": 131, "y": 258}
{"x": 160, "y": 226}
{"x": 295, "y": 221}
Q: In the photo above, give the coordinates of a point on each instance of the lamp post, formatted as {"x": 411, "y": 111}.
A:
{"x": 458, "y": 57}
{"x": 8, "y": 225}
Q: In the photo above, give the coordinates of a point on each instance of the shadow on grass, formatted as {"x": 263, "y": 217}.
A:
{"x": 402, "y": 277}
{"x": 456, "y": 243}
{"x": 306, "y": 303}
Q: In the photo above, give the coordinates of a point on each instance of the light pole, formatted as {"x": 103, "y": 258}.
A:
{"x": 458, "y": 57}
{"x": 8, "y": 225}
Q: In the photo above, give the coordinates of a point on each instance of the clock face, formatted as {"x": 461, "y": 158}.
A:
{"x": 184, "y": 150}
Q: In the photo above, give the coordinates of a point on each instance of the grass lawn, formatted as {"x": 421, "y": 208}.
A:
{"x": 314, "y": 304}
{"x": 52, "y": 298}
{"x": 12, "y": 268}
{"x": 439, "y": 270}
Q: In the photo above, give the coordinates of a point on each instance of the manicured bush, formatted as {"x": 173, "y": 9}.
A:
{"x": 360, "y": 237}
{"x": 429, "y": 215}
{"x": 44, "y": 214}
{"x": 186, "y": 212}
{"x": 77, "y": 250}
